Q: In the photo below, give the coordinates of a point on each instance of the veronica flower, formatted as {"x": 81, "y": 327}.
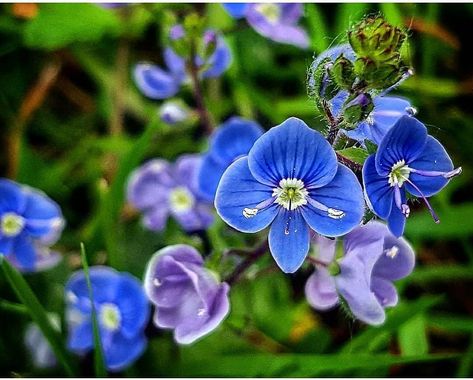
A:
{"x": 40, "y": 351}
{"x": 173, "y": 112}
{"x": 277, "y": 22}
{"x": 122, "y": 313}
{"x": 407, "y": 160}
{"x": 158, "y": 83}
{"x": 160, "y": 190}
{"x": 386, "y": 112}
{"x": 29, "y": 223}
{"x": 372, "y": 259}
{"x": 187, "y": 296}
{"x": 232, "y": 140}
{"x": 292, "y": 181}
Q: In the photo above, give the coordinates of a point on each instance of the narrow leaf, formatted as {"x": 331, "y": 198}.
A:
{"x": 99, "y": 364}
{"x": 38, "y": 315}
{"x": 413, "y": 337}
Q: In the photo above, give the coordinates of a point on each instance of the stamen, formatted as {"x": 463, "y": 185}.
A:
{"x": 432, "y": 212}
{"x": 433, "y": 173}
{"x": 331, "y": 212}
{"x": 411, "y": 111}
{"x": 398, "y": 200}
{"x": 251, "y": 212}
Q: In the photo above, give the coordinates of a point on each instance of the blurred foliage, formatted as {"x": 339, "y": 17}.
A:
{"x": 74, "y": 125}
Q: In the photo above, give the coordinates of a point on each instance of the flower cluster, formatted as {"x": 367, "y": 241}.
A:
{"x": 158, "y": 83}
{"x": 277, "y": 22}
{"x": 30, "y": 223}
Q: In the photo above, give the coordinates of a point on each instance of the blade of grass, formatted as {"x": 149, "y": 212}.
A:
{"x": 12, "y": 307}
{"x": 318, "y": 30}
{"x": 465, "y": 368}
{"x": 38, "y": 315}
{"x": 99, "y": 364}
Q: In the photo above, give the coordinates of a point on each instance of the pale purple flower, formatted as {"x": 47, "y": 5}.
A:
{"x": 40, "y": 351}
{"x": 278, "y": 22}
{"x": 173, "y": 112}
{"x": 187, "y": 296}
{"x": 160, "y": 189}
{"x": 372, "y": 259}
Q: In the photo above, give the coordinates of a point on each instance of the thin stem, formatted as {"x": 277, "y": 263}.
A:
{"x": 315, "y": 261}
{"x": 356, "y": 167}
{"x": 205, "y": 121}
{"x": 334, "y": 123}
{"x": 253, "y": 256}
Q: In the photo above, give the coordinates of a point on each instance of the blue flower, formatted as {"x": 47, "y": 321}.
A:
{"x": 407, "y": 160}
{"x": 160, "y": 190}
{"x": 386, "y": 112}
{"x": 157, "y": 83}
{"x": 174, "y": 112}
{"x": 122, "y": 313}
{"x": 372, "y": 259}
{"x": 30, "y": 222}
{"x": 277, "y": 22}
{"x": 187, "y": 296}
{"x": 290, "y": 180}
{"x": 40, "y": 351}
{"x": 232, "y": 140}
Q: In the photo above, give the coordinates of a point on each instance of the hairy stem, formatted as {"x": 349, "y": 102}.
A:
{"x": 354, "y": 166}
{"x": 205, "y": 121}
{"x": 253, "y": 256}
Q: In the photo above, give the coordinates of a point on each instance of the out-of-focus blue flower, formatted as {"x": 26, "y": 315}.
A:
{"x": 292, "y": 181}
{"x": 30, "y": 222}
{"x": 122, "y": 313}
{"x": 188, "y": 297}
{"x": 232, "y": 140}
{"x": 158, "y": 83}
{"x": 159, "y": 190}
{"x": 407, "y": 159}
{"x": 41, "y": 353}
{"x": 173, "y": 112}
{"x": 277, "y": 22}
{"x": 372, "y": 259}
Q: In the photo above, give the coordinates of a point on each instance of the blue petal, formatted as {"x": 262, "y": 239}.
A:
{"x": 378, "y": 192}
{"x": 219, "y": 61}
{"x": 396, "y": 219}
{"x": 236, "y": 10}
{"x": 6, "y": 245}
{"x": 175, "y": 64}
{"x": 434, "y": 158}
{"x": 123, "y": 352}
{"x": 404, "y": 141}
{"x": 289, "y": 240}
{"x": 24, "y": 253}
{"x": 43, "y": 215}
{"x": 104, "y": 282}
{"x": 12, "y": 197}
{"x": 209, "y": 177}
{"x": 293, "y": 150}
{"x": 343, "y": 193}
{"x": 238, "y": 189}
{"x": 387, "y": 111}
{"x": 80, "y": 338}
{"x": 154, "y": 82}
{"x": 133, "y": 306}
{"x": 233, "y": 139}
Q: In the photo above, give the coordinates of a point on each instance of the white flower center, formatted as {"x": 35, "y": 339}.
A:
{"x": 399, "y": 174}
{"x": 181, "y": 200}
{"x": 12, "y": 224}
{"x": 110, "y": 316}
{"x": 272, "y": 12}
{"x": 291, "y": 193}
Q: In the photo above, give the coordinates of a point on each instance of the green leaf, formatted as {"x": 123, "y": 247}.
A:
{"x": 413, "y": 338}
{"x": 38, "y": 315}
{"x": 99, "y": 363}
{"x": 357, "y": 155}
{"x": 113, "y": 197}
{"x": 293, "y": 365}
{"x": 440, "y": 273}
{"x": 58, "y": 25}
{"x": 392, "y": 13}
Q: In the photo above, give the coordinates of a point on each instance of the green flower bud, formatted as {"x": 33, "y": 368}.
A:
{"x": 333, "y": 268}
{"x": 343, "y": 73}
